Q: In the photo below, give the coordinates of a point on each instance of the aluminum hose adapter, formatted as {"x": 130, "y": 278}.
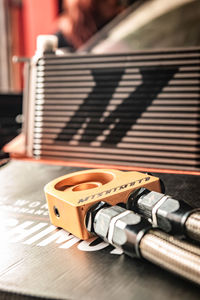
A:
{"x": 171, "y": 215}
{"x": 134, "y": 235}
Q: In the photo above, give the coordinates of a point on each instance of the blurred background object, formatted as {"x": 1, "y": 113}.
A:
{"x": 73, "y": 21}
{"x": 11, "y": 44}
{"x": 81, "y": 19}
{"x": 153, "y": 24}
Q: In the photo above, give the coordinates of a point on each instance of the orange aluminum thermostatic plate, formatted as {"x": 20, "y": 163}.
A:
{"x": 69, "y": 197}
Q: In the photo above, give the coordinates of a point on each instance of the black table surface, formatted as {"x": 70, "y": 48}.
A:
{"x": 37, "y": 259}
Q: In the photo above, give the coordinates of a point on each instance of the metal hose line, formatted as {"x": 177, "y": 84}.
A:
{"x": 170, "y": 256}
{"x": 182, "y": 244}
{"x": 192, "y": 226}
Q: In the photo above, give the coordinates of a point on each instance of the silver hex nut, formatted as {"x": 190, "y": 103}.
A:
{"x": 103, "y": 218}
{"x": 90, "y": 216}
{"x": 120, "y": 234}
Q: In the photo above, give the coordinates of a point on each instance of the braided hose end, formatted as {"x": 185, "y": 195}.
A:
{"x": 192, "y": 226}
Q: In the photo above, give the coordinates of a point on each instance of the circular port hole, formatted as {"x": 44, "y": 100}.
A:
{"x": 56, "y": 212}
{"x": 84, "y": 181}
{"x": 86, "y": 186}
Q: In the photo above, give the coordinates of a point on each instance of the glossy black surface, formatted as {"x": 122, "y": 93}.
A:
{"x": 10, "y": 108}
